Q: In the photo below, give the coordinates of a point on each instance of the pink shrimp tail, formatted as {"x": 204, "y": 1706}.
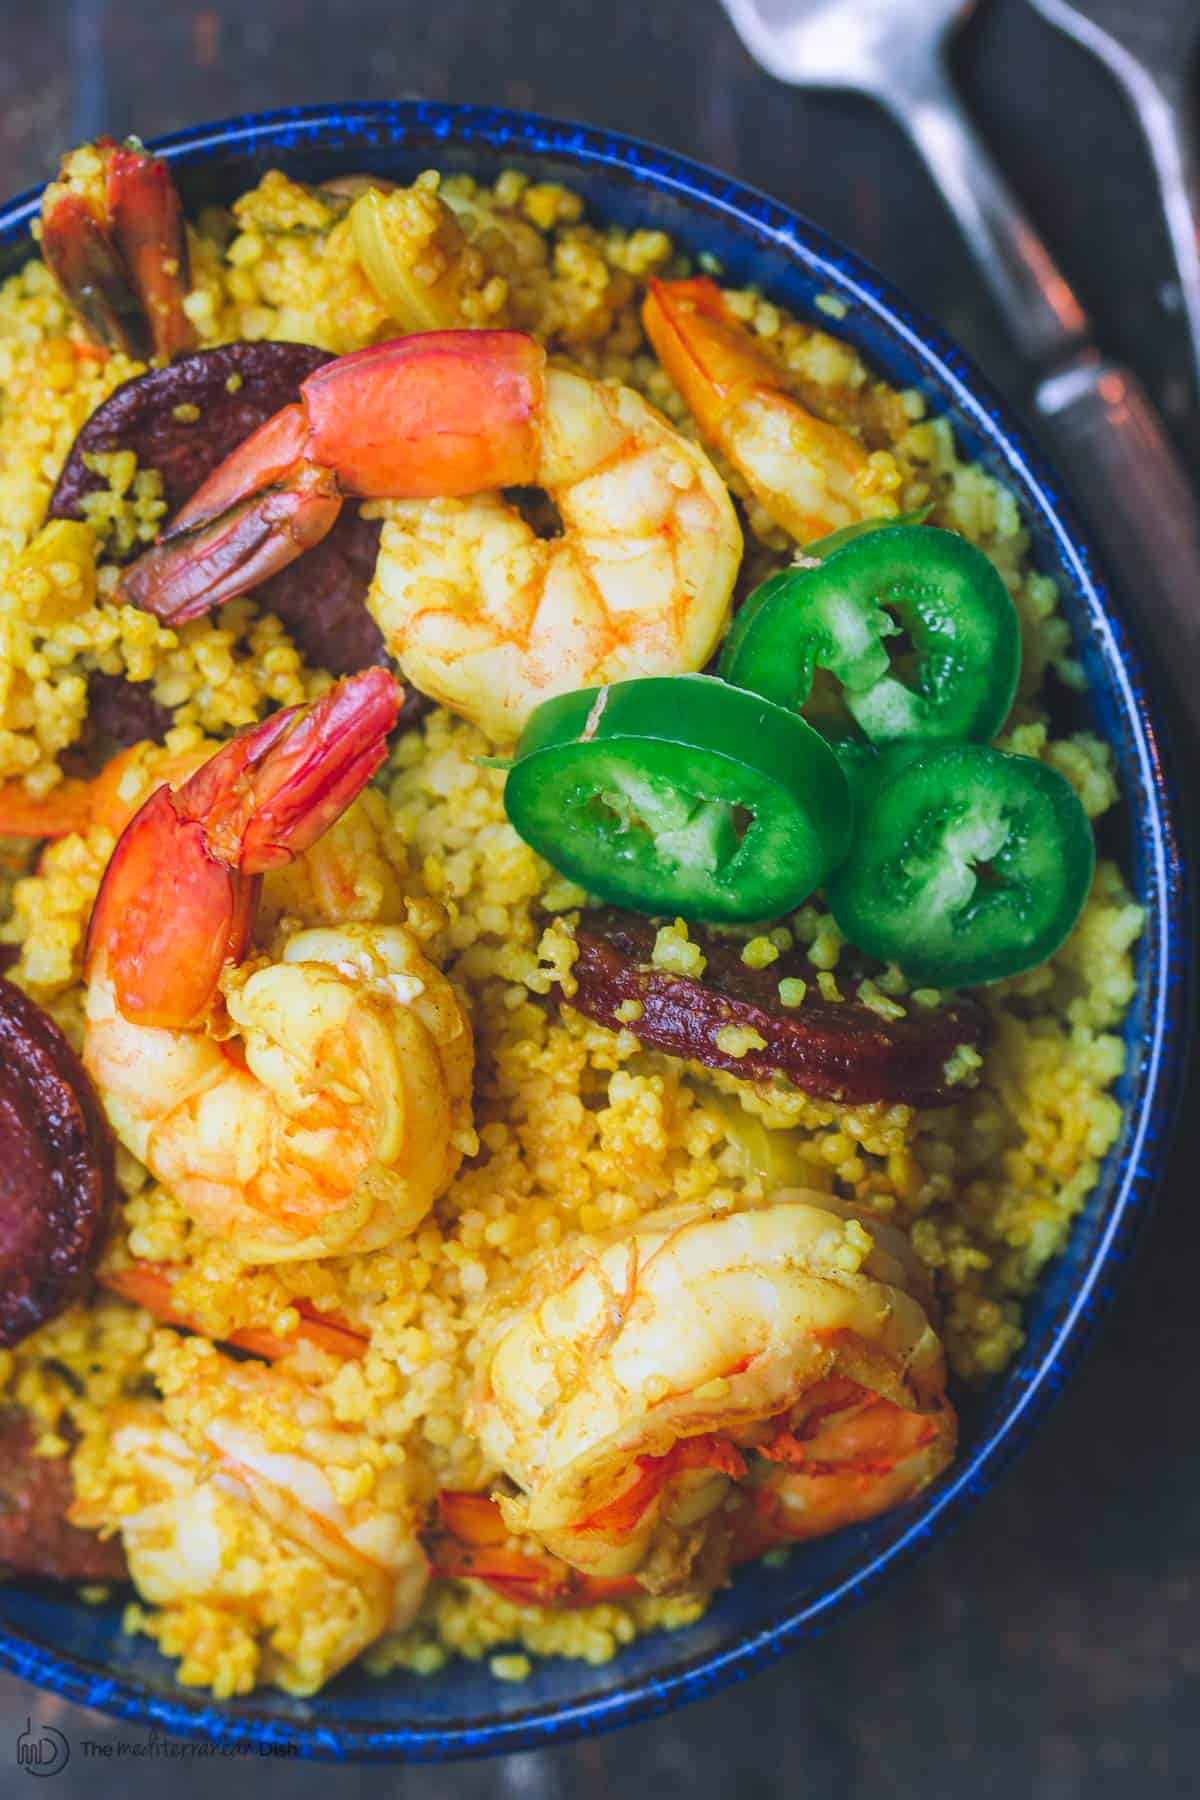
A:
{"x": 445, "y": 413}
{"x": 122, "y": 262}
{"x": 196, "y": 567}
{"x": 274, "y": 791}
{"x": 179, "y": 896}
{"x": 147, "y": 221}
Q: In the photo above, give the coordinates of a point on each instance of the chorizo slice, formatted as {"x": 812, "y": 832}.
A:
{"x": 322, "y": 596}
{"x": 121, "y": 713}
{"x": 184, "y": 419}
{"x": 836, "y": 1050}
{"x": 36, "y": 1536}
{"x": 56, "y": 1169}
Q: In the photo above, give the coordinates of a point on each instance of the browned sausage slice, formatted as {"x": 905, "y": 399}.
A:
{"x": 36, "y": 1538}
{"x": 837, "y": 1050}
{"x": 56, "y": 1169}
{"x": 185, "y": 419}
{"x": 121, "y": 713}
{"x": 321, "y": 597}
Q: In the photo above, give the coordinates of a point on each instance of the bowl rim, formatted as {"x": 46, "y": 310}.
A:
{"x": 1168, "y": 977}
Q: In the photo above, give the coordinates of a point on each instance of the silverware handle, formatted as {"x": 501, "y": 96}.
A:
{"x": 1151, "y": 65}
{"x": 1039, "y": 307}
{"x": 1139, "y": 503}
{"x": 1164, "y": 113}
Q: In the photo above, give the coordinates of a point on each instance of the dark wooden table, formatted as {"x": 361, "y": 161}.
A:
{"x": 1050, "y": 1650}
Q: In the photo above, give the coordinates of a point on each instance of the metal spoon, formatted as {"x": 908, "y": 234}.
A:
{"x": 1097, "y": 417}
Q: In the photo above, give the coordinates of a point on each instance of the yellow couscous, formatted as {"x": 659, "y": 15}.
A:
{"x": 572, "y": 1130}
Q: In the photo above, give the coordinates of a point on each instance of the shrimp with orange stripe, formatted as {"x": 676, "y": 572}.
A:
{"x": 811, "y": 476}
{"x": 463, "y": 1538}
{"x": 668, "y": 1400}
{"x": 482, "y": 612}
{"x": 300, "y": 1098}
{"x": 240, "y": 1493}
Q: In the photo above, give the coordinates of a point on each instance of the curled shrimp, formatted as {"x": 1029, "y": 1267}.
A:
{"x": 650, "y": 1386}
{"x": 309, "y": 1102}
{"x": 113, "y": 236}
{"x": 811, "y": 477}
{"x": 247, "y": 1509}
{"x": 480, "y": 611}
{"x": 467, "y": 1539}
{"x": 490, "y": 619}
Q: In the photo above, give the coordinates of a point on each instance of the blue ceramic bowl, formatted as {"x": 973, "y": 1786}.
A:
{"x": 48, "y": 1637}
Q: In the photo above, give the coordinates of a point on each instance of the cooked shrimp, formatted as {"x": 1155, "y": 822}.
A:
{"x": 152, "y": 1287}
{"x": 471, "y": 1542}
{"x": 844, "y": 1454}
{"x": 647, "y": 1380}
{"x": 308, "y": 1102}
{"x": 108, "y": 799}
{"x": 490, "y": 619}
{"x": 243, "y": 1502}
{"x": 113, "y": 236}
{"x": 813, "y": 478}
{"x": 481, "y": 612}
{"x": 67, "y": 808}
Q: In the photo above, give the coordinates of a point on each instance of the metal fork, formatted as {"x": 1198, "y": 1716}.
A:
{"x": 1149, "y": 49}
{"x": 1101, "y": 426}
